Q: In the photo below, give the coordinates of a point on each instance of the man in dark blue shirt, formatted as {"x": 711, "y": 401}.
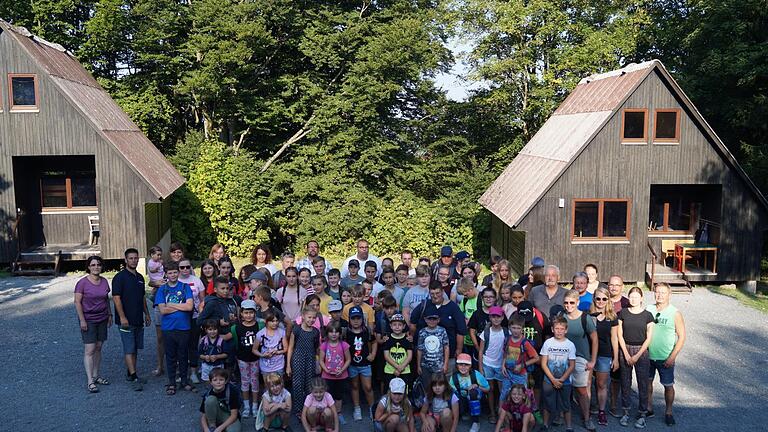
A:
{"x": 451, "y": 319}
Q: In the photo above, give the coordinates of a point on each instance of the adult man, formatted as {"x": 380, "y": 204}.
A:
{"x": 550, "y": 294}
{"x": 616, "y": 288}
{"x": 446, "y": 260}
{"x": 667, "y": 341}
{"x": 406, "y": 257}
{"x": 286, "y": 260}
{"x": 131, "y": 312}
{"x": 313, "y": 249}
{"x": 451, "y": 319}
{"x": 361, "y": 256}
{"x": 580, "y": 283}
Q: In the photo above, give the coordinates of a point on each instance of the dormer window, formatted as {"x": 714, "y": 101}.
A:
{"x": 23, "y": 92}
{"x": 666, "y": 126}
{"x": 633, "y": 126}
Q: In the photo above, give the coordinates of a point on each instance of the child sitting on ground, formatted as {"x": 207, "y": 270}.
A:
{"x": 558, "y": 360}
{"x": 221, "y": 404}
{"x": 393, "y": 412}
{"x": 441, "y": 407}
{"x": 211, "y": 349}
{"x": 517, "y": 410}
{"x": 275, "y": 408}
{"x": 469, "y": 385}
{"x": 319, "y": 411}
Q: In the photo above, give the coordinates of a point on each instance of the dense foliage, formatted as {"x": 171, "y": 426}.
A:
{"x": 307, "y": 119}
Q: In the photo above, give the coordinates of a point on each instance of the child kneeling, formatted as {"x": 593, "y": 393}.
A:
{"x": 221, "y": 404}
{"x": 440, "y": 410}
{"x": 517, "y": 410}
{"x": 469, "y": 385}
{"x": 275, "y": 407}
{"x": 319, "y": 410}
{"x": 393, "y": 412}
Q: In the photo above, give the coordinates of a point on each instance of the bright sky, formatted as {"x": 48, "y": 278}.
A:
{"x": 452, "y": 83}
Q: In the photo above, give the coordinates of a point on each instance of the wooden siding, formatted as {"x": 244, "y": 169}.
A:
{"x": 69, "y": 228}
{"x": 608, "y": 169}
{"x": 158, "y": 220}
{"x": 60, "y": 129}
{"x": 509, "y": 244}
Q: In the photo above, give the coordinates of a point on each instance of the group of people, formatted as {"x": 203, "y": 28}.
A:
{"x": 431, "y": 339}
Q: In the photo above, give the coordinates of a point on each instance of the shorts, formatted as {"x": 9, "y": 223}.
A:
{"x": 666, "y": 374}
{"x": 556, "y": 400}
{"x": 132, "y": 338}
{"x": 580, "y": 376}
{"x": 206, "y": 368}
{"x": 603, "y": 364}
{"x": 97, "y": 332}
{"x": 337, "y": 388}
{"x": 493, "y": 374}
{"x": 507, "y": 383}
{"x": 538, "y": 376}
{"x": 364, "y": 371}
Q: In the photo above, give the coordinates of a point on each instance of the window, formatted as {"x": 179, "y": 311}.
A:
{"x": 23, "y": 92}
{"x": 633, "y": 126}
{"x": 59, "y": 189}
{"x": 600, "y": 219}
{"x": 673, "y": 214}
{"x": 667, "y": 126}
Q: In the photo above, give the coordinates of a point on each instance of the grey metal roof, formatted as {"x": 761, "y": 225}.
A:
{"x": 114, "y": 125}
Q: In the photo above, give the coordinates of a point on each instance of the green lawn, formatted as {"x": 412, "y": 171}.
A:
{"x": 758, "y": 301}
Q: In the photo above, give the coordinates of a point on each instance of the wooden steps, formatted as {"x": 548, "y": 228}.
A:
{"x": 37, "y": 264}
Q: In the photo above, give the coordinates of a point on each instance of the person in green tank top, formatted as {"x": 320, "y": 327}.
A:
{"x": 667, "y": 341}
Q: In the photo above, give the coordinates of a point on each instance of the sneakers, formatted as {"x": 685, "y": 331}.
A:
{"x": 650, "y": 414}
{"x": 640, "y": 422}
{"x": 669, "y": 420}
{"x": 624, "y": 420}
{"x": 193, "y": 377}
{"x": 342, "y": 420}
{"x": 614, "y": 413}
{"x": 475, "y": 427}
{"x": 602, "y": 419}
{"x": 590, "y": 425}
{"x": 357, "y": 414}
{"x": 246, "y": 411}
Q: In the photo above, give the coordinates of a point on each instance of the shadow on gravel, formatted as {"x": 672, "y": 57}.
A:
{"x": 12, "y": 288}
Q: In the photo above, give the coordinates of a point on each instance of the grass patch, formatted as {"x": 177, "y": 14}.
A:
{"x": 757, "y": 301}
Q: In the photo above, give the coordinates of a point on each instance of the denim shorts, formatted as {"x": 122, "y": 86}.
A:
{"x": 603, "y": 364}
{"x": 666, "y": 374}
{"x": 132, "y": 338}
{"x": 492, "y": 373}
{"x": 360, "y": 370}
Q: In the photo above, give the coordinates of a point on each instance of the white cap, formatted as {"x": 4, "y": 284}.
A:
{"x": 397, "y": 385}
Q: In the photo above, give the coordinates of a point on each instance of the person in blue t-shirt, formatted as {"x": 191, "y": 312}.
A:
{"x": 580, "y": 284}
{"x": 175, "y": 302}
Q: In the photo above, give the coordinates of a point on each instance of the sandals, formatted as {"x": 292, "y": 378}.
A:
{"x": 170, "y": 389}
{"x": 157, "y": 372}
{"x": 492, "y": 419}
{"x": 101, "y": 381}
{"x": 190, "y": 388}
{"x": 93, "y": 388}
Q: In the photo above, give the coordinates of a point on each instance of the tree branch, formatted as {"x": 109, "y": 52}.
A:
{"x": 301, "y": 133}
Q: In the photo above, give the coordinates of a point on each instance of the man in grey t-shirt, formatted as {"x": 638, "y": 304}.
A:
{"x": 545, "y": 296}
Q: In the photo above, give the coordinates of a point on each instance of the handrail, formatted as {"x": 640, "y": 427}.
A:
{"x": 653, "y": 262}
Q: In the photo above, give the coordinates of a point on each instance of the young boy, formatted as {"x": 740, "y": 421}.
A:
{"x": 354, "y": 278}
{"x": 221, "y": 404}
{"x": 398, "y": 351}
{"x": 219, "y": 307}
{"x": 387, "y": 308}
{"x": 468, "y": 305}
{"x": 175, "y": 303}
{"x": 401, "y": 276}
{"x": 334, "y": 289}
{"x": 418, "y": 293}
{"x": 358, "y": 300}
{"x": 370, "y": 271}
{"x": 388, "y": 279}
{"x": 558, "y": 360}
{"x": 469, "y": 385}
{"x": 433, "y": 350}
{"x": 520, "y": 353}
{"x": 362, "y": 346}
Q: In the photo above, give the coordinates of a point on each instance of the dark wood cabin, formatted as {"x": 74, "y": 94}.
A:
{"x": 76, "y": 174}
{"x": 623, "y": 175}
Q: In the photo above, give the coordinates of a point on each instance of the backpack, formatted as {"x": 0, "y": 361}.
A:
{"x": 417, "y": 394}
{"x": 206, "y": 344}
{"x": 487, "y": 337}
{"x": 456, "y": 384}
{"x": 224, "y": 404}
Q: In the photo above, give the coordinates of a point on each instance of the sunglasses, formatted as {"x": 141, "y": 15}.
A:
{"x": 569, "y": 302}
{"x": 185, "y": 267}
{"x": 656, "y": 319}
{"x": 601, "y": 298}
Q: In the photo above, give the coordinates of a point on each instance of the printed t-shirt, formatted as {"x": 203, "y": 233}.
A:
{"x": 516, "y": 413}
{"x": 431, "y": 343}
{"x": 325, "y": 402}
{"x": 271, "y": 343}
{"x": 196, "y": 285}
{"x": 334, "y": 359}
{"x": 495, "y": 352}
{"x": 358, "y": 346}
{"x": 398, "y": 350}
{"x": 414, "y": 297}
{"x": 664, "y": 336}
{"x": 465, "y": 382}
{"x": 558, "y": 353}
{"x": 513, "y": 357}
{"x": 95, "y": 299}
{"x": 177, "y": 294}
{"x": 130, "y": 287}
{"x": 246, "y": 336}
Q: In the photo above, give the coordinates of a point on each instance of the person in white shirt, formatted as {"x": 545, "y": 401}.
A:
{"x": 362, "y": 256}
{"x": 313, "y": 251}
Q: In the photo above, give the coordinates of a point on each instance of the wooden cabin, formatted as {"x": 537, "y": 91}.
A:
{"x": 623, "y": 175}
{"x": 77, "y": 176}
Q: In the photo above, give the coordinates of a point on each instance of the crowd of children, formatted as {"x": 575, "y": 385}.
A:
{"x": 383, "y": 332}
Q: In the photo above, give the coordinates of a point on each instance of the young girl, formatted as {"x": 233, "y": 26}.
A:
{"x": 319, "y": 410}
{"x": 320, "y": 286}
{"x": 505, "y": 300}
{"x": 393, "y": 412}
{"x": 305, "y": 280}
{"x": 217, "y": 253}
{"x": 441, "y": 406}
{"x": 346, "y": 297}
{"x": 517, "y": 410}
{"x": 245, "y": 333}
{"x": 607, "y": 346}
{"x": 313, "y": 302}
{"x": 291, "y": 296}
{"x": 275, "y": 404}
{"x": 155, "y": 266}
{"x": 226, "y": 269}
{"x": 302, "y": 350}
{"x": 502, "y": 275}
{"x": 211, "y": 349}
{"x": 208, "y": 272}
{"x": 244, "y": 290}
{"x": 334, "y": 361}
{"x": 157, "y": 279}
{"x": 635, "y": 332}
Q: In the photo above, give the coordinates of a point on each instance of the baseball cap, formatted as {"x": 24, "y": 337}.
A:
{"x": 353, "y": 263}
{"x": 397, "y": 317}
{"x": 556, "y": 310}
{"x": 446, "y": 251}
{"x": 335, "y": 306}
{"x": 256, "y": 275}
{"x": 525, "y": 310}
{"x": 496, "y": 310}
{"x": 537, "y": 262}
{"x": 397, "y": 385}
{"x": 355, "y": 311}
{"x": 248, "y": 304}
{"x": 464, "y": 359}
{"x": 462, "y": 255}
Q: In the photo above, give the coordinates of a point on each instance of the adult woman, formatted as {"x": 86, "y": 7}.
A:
{"x": 635, "y": 332}
{"x": 582, "y": 332}
{"x": 291, "y": 296}
{"x": 92, "y": 306}
{"x": 217, "y": 253}
{"x": 262, "y": 257}
{"x": 502, "y": 275}
{"x": 208, "y": 271}
{"x": 176, "y": 251}
{"x": 593, "y": 282}
{"x": 607, "y": 346}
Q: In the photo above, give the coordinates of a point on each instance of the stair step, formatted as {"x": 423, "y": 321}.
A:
{"x": 34, "y": 272}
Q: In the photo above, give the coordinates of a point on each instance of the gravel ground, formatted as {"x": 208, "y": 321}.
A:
{"x": 722, "y": 373}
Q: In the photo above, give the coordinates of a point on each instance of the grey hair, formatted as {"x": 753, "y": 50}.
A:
{"x": 555, "y": 268}
{"x": 580, "y": 274}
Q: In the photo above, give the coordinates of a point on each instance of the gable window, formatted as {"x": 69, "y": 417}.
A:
{"x": 23, "y": 92}
{"x": 667, "y": 126}
{"x": 600, "y": 219}
{"x": 62, "y": 189}
{"x": 633, "y": 126}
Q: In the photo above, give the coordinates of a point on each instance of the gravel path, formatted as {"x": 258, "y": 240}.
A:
{"x": 722, "y": 373}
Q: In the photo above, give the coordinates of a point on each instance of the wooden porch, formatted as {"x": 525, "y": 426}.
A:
{"x": 692, "y": 274}
{"x": 46, "y": 260}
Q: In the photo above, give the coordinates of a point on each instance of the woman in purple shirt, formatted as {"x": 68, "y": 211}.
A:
{"x": 92, "y": 305}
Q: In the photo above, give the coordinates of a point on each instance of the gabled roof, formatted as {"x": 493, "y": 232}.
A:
{"x": 98, "y": 107}
{"x": 569, "y": 130}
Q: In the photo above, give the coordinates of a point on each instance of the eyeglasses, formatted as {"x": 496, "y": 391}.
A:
{"x": 490, "y": 297}
{"x": 432, "y": 318}
{"x": 601, "y": 298}
{"x": 185, "y": 267}
{"x": 569, "y": 302}
{"x": 656, "y": 319}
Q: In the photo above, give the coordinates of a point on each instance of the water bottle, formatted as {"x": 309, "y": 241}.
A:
{"x": 474, "y": 407}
